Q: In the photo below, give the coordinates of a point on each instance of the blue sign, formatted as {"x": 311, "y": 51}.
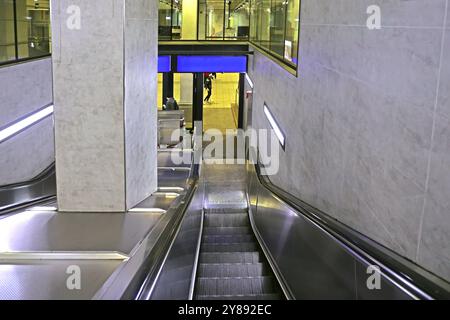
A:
{"x": 164, "y": 64}
{"x": 212, "y": 64}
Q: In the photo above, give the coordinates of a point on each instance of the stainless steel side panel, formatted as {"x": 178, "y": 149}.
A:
{"x": 166, "y": 158}
{"x": 50, "y": 231}
{"x": 175, "y": 278}
{"x": 313, "y": 264}
{"x": 159, "y": 200}
{"x": 47, "y": 280}
{"x": 172, "y": 178}
{"x": 16, "y": 195}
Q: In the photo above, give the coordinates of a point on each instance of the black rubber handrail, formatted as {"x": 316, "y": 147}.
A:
{"x": 421, "y": 280}
{"x": 41, "y": 176}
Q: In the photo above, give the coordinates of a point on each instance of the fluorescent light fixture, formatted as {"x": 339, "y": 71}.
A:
{"x": 148, "y": 210}
{"x": 38, "y": 208}
{"x": 250, "y": 82}
{"x": 273, "y": 123}
{"x": 21, "y": 125}
{"x": 170, "y": 189}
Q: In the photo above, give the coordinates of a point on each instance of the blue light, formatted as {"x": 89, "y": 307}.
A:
{"x": 212, "y": 64}
{"x": 164, "y": 64}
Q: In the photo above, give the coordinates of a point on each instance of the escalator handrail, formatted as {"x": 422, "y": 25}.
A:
{"x": 420, "y": 282}
{"x": 144, "y": 282}
{"x": 47, "y": 172}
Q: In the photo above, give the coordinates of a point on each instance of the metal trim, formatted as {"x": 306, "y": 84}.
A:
{"x": 392, "y": 265}
{"x": 70, "y": 255}
{"x": 270, "y": 259}
{"x": 197, "y": 258}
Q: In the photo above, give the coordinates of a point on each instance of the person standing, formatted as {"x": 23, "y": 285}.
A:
{"x": 208, "y": 87}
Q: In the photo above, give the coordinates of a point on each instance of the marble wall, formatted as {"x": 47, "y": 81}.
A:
{"x": 141, "y": 68}
{"x": 26, "y": 87}
{"x": 105, "y": 156}
{"x": 367, "y": 121}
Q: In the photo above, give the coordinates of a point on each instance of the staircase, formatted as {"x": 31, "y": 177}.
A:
{"x": 231, "y": 265}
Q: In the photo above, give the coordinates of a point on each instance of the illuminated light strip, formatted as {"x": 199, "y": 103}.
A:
{"x": 170, "y": 189}
{"x": 43, "y": 209}
{"x": 17, "y": 127}
{"x": 250, "y": 82}
{"x": 148, "y": 210}
{"x": 279, "y": 133}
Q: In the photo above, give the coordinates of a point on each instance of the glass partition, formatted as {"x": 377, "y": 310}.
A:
{"x": 274, "y": 26}
{"x": 292, "y": 31}
{"x": 24, "y": 29}
{"x": 204, "y": 19}
{"x": 7, "y": 33}
{"x": 214, "y": 19}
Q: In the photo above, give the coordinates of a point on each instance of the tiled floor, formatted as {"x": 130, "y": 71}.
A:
{"x": 218, "y": 118}
{"x": 224, "y": 91}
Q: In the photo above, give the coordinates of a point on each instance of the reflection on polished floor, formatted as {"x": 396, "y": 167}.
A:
{"x": 221, "y": 119}
{"x": 219, "y": 113}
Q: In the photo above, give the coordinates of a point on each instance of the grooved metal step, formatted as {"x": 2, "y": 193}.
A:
{"x": 230, "y": 264}
{"x": 242, "y": 286}
{"x": 270, "y": 296}
{"x": 224, "y": 211}
{"x": 227, "y": 239}
{"x": 224, "y": 231}
{"x": 229, "y": 247}
{"x": 212, "y": 270}
{"x": 227, "y": 220}
{"x": 230, "y": 257}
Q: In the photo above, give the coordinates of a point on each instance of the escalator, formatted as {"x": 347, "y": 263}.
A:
{"x": 243, "y": 239}
{"x": 231, "y": 263}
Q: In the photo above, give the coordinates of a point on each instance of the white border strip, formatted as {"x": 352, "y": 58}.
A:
{"x": 250, "y": 82}
{"x": 280, "y": 135}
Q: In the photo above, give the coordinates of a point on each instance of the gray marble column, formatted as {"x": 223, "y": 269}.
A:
{"x": 105, "y": 79}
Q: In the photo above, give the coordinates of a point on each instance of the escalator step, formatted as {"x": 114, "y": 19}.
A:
{"x": 230, "y": 257}
{"x": 231, "y": 247}
{"x": 224, "y": 211}
{"x": 227, "y": 220}
{"x": 214, "y": 270}
{"x": 221, "y": 231}
{"x": 235, "y": 286}
{"x": 225, "y": 239}
{"x": 270, "y": 296}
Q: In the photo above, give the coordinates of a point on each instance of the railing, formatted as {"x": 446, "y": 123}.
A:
{"x": 401, "y": 277}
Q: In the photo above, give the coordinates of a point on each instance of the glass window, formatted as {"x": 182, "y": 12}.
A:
{"x": 7, "y": 35}
{"x": 274, "y": 26}
{"x": 178, "y": 19}
{"x": 277, "y": 24}
{"x": 165, "y": 20}
{"x": 33, "y": 28}
{"x": 202, "y": 19}
{"x": 263, "y": 22}
{"x": 24, "y": 29}
{"x": 177, "y": 16}
{"x": 292, "y": 29}
{"x": 214, "y": 19}
{"x": 237, "y": 14}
